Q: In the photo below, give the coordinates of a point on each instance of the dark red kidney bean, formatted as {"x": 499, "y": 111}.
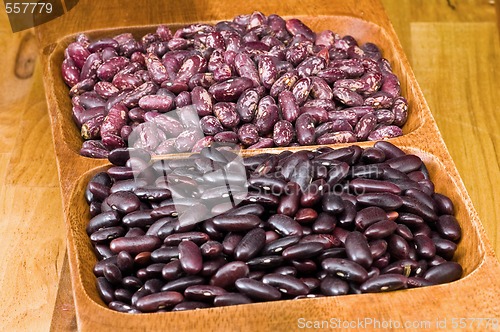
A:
{"x": 190, "y": 257}
{"x": 296, "y": 27}
{"x": 172, "y": 270}
{"x": 138, "y": 219}
{"x": 274, "y": 185}
{"x": 414, "y": 206}
{"x": 231, "y": 299}
{"x": 422, "y": 197}
{"x": 123, "y": 201}
{"x": 286, "y": 271}
{"x": 403, "y": 267}
{"x": 176, "y": 238}
{"x": 180, "y": 284}
{"x": 302, "y": 251}
{"x": 311, "y": 283}
{"x": 324, "y": 223}
{"x": 448, "y": 227}
{"x": 227, "y": 275}
{"x": 332, "y": 203}
{"x": 424, "y": 246}
{"x": 444, "y": 273}
{"x": 286, "y": 284}
{"x": 105, "y": 290}
{"x": 361, "y": 186}
{"x": 347, "y": 97}
{"x": 332, "y": 286}
{"x": 131, "y": 282}
{"x": 190, "y": 305}
{"x": 103, "y": 220}
{"x": 444, "y": 204}
{"x": 124, "y": 261}
{"x": 357, "y": 249}
{"x": 410, "y": 219}
{"x": 124, "y": 295}
{"x": 250, "y": 245}
{"x": 112, "y": 274}
{"x": 157, "y": 301}
{"x": 385, "y": 132}
{"x": 386, "y": 201}
{"x": 345, "y": 269}
{"x": 306, "y": 215}
{"x": 277, "y": 246}
{"x": 135, "y": 244}
{"x": 230, "y": 242}
{"x": 257, "y": 290}
{"x": 231, "y": 89}
{"x": 378, "y": 248}
{"x": 283, "y": 133}
{"x": 118, "y": 173}
{"x": 398, "y": 247}
{"x": 107, "y": 234}
{"x": 135, "y": 231}
{"x": 265, "y": 262}
{"x": 435, "y": 261}
{"x": 284, "y": 225}
{"x": 288, "y": 105}
{"x": 301, "y": 90}
{"x": 381, "y": 229}
{"x": 413, "y": 282}
{"x": 211, "y": 249}
{"x": 236, "y": 223}
{"x": 102, "y": 251}
{"x": 212, "y": 266}
{"x": 165, "y": 254}
{"x": 404, "y": 231}
{"x": 203, "y": 292}
{"x": 304, "y": 127}
{"x": 445, "y": 248}
{"x": 406, "y": 163}
{"x": 384, "y": 282}
{"x": 248, "y": 134}
{"x": 99, "y": 266}
{"x": 255, "y": 209}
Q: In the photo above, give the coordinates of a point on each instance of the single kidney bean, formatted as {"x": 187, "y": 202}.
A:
{"x": 286, "y": 284}
{"x": 384, "y": 282}
{"x": 332, "y": 286}
{"x": 247, "y": 104}
{"x": 444, "y": 273}
{"x": 345, "y": 269}
{"x": 231, "y": 299}
{"x": 283, "y": 133}
{"x": 257, "y": 290}
{"x": 231, "y": 89}
{"x": 190, "y": 257}
{"x": 448, "y": 227}
{"x": 357, "y": 249}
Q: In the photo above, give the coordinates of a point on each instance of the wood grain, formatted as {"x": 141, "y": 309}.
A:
{"x": 471, "y": 24}
{"x": 469, "y": 118}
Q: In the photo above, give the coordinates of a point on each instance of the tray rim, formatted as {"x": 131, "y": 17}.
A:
{"x": 414, "y": 139}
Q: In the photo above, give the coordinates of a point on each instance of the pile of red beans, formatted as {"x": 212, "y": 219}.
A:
{"x": 258, "y": 81}
{"x": 308, "y": 224}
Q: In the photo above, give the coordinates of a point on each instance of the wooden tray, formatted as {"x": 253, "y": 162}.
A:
{"x": 366, "y": 21}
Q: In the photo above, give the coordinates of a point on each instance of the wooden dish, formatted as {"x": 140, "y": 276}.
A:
{"x": 366, "y": 21}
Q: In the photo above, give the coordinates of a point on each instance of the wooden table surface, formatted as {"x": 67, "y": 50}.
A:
{"x": 454, "y": 50}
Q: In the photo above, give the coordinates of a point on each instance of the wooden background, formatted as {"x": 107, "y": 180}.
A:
{"x": 454, "y": 50}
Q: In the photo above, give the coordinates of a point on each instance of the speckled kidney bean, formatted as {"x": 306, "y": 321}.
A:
{"x": 226, "y": 114}
{"x": 305, "y": 129}
{"x": 248, "y": 134}
{"x": 283, "y": 133}
{"x": 301, "y": 90}
{"x": 246, "y": 106}
{"x": 266, "y": 116}
{"x": 231, "y": 89}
